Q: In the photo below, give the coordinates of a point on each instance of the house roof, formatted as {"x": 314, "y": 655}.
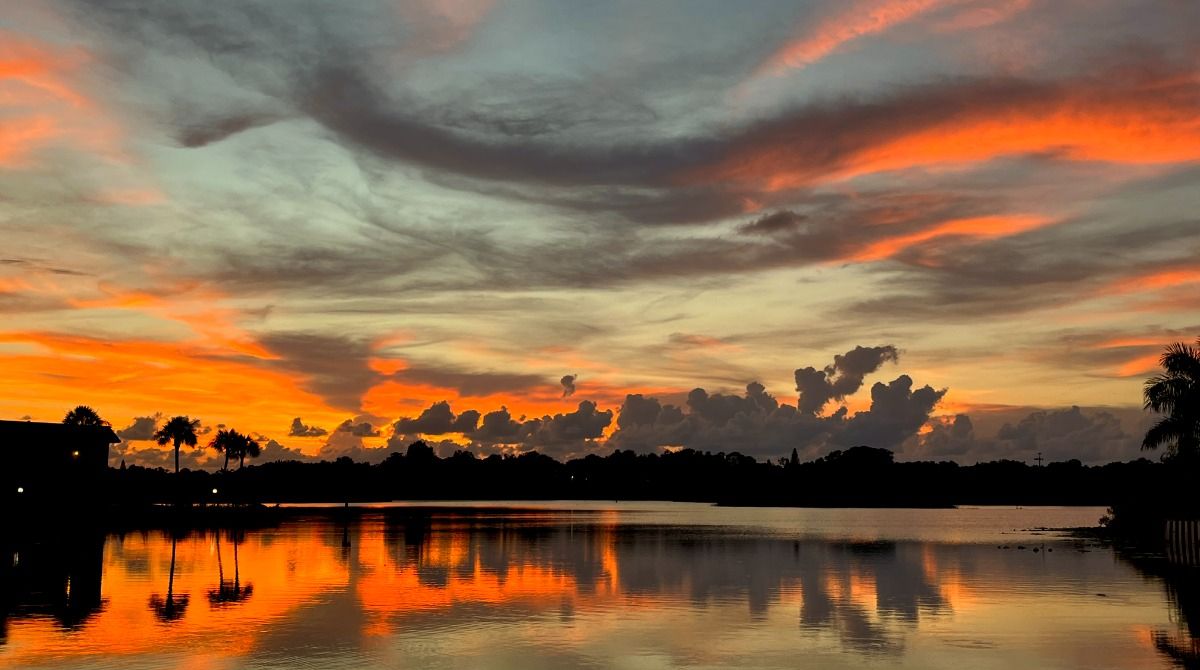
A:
{"x": 57, "y": 432}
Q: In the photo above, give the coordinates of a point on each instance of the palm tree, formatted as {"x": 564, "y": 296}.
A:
{"x": 179, "y": 430}
{"x": 1176, "y": 394}
{"x": 83, "y": 416}
{"x": 247, "y": 446}
{"x": 225, "y": 442}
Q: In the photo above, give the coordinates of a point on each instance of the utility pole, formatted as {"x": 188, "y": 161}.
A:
{"x": 1039, "y": 459}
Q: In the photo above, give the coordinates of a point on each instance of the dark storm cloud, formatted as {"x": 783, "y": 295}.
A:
{"x": 298, "y": 429}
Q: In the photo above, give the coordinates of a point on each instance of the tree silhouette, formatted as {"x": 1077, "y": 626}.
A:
{"x": 246, "y": 446}
{"x": 225, "y": 442}
{"x": 1176, "y": 394}
{"x": 83, "y": 416}
{"x": 179, "y": 430}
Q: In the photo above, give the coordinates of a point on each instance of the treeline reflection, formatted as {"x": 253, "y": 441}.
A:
{"x": 336, "y": 581}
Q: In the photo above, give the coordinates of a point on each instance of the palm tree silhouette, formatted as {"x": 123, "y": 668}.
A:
{"x": 246, "y": 446}
{"x": 172, "y": 607}
{"x": 1176, "y": 394}
{"x": 179, "y": 430}
{"x": 225, "y": 442}
{"x": 83, "y": 416}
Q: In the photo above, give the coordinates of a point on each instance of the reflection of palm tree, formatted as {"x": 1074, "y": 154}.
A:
{"x": 179, "y": 430}
{"x": 83, "y": 416}
{"x": 173, "y": 607}
{"x": 1176, "y": 393}
{"x": 227, "y": 592}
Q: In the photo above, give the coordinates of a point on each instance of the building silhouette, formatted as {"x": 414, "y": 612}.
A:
{"x": 51, "y": 462}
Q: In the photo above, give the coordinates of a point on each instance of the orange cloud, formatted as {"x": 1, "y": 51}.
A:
{"x": 977, "y": 228}
{"x": 1152, "y": 281}
{"x": 194, "y": 306}
{"x": 45, "y": 104}
{"x": 858, "y": 20}
{"x": 1139, "y": 365}
{"x": 987, "y": 15}
{"x": 1145, "y": 118}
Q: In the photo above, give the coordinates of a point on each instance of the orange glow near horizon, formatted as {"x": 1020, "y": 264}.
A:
{"x": 138, "y": 377}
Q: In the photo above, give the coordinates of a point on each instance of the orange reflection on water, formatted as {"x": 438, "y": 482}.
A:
{"x": 407, "y": 584}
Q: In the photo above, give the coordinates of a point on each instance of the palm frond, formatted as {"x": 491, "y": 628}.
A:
{"x": 1166, "y": 432}
{"x": 1182, "y": 359}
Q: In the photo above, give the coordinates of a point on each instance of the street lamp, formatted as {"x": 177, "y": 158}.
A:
{"x": 20, "y": 489}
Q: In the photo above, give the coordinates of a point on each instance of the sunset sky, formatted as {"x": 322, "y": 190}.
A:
{"x": 511, "y": 226}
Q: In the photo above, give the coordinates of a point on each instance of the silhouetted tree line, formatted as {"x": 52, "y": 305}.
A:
{"x": 857, "y": 477}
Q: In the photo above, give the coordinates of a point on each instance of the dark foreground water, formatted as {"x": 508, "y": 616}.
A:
{"x": 606, "y": 586}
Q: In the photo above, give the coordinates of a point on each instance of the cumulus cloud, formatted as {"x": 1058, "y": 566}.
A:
{"x": 897, "y": 412}
{"x": 298, "y": 429}
{"x": 756, "y": 423}
{"x": 568, "y": 384}
{"x": 437, "y": 419}
{"x": 1092, "y": 436}
{"x": 274, "y": 451}
{"x": 841, "y": 378}
{"x": 357, "y": 428}
{"x": 142, "y": 428}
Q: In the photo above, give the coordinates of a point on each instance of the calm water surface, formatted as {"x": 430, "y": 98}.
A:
{"x": 565, "y": 585}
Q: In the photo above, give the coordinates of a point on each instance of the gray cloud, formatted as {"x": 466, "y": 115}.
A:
{"x": 357, "y": 428}
{"x": 1093, "y": 436}
{"x": 568, "y": 384}
{"x": 840, "y": 379}
{"x": 757, "y": 424}
{"x": 298, "y": 429}
{"x": 437, "y": 419}
{"x": 274, "y": 451}
{"x": 335, "y": 367}
{"x": 142, "y": 428}
{"x": 897, "y": 413}
{"x": 469, "y": 383}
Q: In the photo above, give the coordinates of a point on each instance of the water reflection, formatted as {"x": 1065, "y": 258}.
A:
{"x": 57, "y": 579}
{"x": 1180, "y": 641}
{"x": 172, "y": 607}
{"x": 543, "y": 589}
{"x": 228, "y": 592}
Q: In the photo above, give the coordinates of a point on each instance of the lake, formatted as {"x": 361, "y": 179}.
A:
{"x": 595, "y": 585}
